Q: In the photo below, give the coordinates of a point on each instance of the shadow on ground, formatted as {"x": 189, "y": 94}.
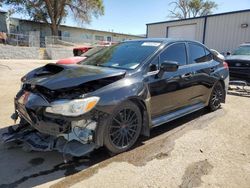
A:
{"x": 29, "y": 169}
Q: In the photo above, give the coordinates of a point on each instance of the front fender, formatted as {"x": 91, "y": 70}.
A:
{"x": 115, "y": 94}
{"x": 120, "y": 91}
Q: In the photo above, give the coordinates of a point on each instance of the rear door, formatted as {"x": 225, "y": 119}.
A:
{"x": 203, "y": 67}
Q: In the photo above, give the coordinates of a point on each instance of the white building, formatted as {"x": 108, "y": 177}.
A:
{"x": 223, "y": 32}
{"x": 68, "y": 33}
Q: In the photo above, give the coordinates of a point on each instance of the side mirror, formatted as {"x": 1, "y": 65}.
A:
{"x": 168, "y": 66}
{"x": 228, "y": 53}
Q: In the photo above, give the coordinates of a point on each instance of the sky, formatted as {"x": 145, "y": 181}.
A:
{"x": 131, "y": 16}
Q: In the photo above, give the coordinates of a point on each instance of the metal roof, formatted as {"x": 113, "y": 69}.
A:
{"x": 164, "y": 40}
{"x": 220, "y": 14}
{"x": 110, "y": 32}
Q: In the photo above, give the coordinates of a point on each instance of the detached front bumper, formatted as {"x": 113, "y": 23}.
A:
{"x": 43, "y": 132}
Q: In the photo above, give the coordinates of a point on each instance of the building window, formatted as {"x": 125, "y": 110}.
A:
{"x": 12, "y": 28}
{"x": 87, "y": 36}
{"x": 109, "y": 38}
{"x": 65, "y": 34}
{"x": 100, "y": 38}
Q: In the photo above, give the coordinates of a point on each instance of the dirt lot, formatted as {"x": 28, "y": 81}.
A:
{"x": 201, "y": 150}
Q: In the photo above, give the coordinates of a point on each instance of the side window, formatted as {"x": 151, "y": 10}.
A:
{"x": 209, "y": 55}
{"x": 197, "y": 54}
{"x": 154, "y": 65}
{"x": 175, "y": 52}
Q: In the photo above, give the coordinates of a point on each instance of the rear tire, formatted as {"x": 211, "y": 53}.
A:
{"x": 216, "y": 97}
{"x": 123, "y": 128}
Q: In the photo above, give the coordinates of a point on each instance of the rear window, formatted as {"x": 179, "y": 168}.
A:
{"x": 198, "y": 54}
{"x": 175, "y": 52}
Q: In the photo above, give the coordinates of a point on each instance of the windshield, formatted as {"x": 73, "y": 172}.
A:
{"x": 126, "y": 55}
{"x": 242, "y": 50}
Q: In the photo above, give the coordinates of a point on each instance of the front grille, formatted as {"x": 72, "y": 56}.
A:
{"x": 238, "y": 63}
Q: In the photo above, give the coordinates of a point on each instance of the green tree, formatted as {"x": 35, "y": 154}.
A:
{"x": 53, "y": 12}
{"x": 192, "y": 8}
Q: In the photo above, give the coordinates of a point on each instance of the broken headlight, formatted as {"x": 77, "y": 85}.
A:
{"x": 74, "y": 107}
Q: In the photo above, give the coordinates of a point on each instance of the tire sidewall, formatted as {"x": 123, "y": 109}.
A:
{"x": 211, "y": 106}
{"x": 107, "y": 141}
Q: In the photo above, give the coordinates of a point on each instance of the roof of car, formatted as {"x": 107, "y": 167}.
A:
{"x": 164, "y": 40}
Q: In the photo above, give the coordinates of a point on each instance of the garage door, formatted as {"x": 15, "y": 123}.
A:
{"x": 182, "y": 31}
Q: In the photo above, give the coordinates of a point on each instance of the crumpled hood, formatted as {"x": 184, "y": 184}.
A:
{"x": 238, "y": 57}
{"x": 56, "y": 77}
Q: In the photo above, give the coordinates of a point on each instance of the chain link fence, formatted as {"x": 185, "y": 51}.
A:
{"x": 33, "y": 39}
{"x": 62, "y": 41}
{"x": 24, "y": 40}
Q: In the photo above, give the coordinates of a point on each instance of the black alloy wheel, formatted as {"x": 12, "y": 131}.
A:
{"x": 216, "y": 97}
{"x": 123, "y": 128}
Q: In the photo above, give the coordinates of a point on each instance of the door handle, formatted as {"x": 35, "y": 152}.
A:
{"x": 187, "y": 75}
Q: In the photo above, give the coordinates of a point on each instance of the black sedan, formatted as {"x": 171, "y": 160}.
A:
{"x": 116, "y": 95}
{"x": 239, "y": 63}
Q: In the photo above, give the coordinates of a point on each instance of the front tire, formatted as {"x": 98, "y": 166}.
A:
{"x": 216, "y": 97}
{"x": 123, "y": 128}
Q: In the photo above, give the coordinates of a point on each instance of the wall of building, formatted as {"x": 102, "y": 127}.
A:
{"x": 73, "y": 34}
{"x": 160, "y": 30}
{"x": 224, "y": 33}
{"x": 80, "y": 33}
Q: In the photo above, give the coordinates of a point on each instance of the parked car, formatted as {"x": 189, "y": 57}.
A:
{"x": 71, "y": 60}
{"x": 239, "y": 63}
{"x": 77, "y": 51}
{"x": 116, "y": 95}
{"x": 78, "y": 59}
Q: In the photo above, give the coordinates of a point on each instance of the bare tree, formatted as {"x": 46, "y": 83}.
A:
{"x": 52, "y": 12}
{"x": 191, "y": 8}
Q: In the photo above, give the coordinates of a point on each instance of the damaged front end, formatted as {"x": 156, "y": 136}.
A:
{"x": 40, "y": 130}
{"x": 57, "y": 109}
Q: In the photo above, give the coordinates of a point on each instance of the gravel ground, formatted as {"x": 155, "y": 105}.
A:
{"x": 200, "y": 150}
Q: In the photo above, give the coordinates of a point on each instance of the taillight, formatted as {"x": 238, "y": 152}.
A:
{"x": 225, "y": 65}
